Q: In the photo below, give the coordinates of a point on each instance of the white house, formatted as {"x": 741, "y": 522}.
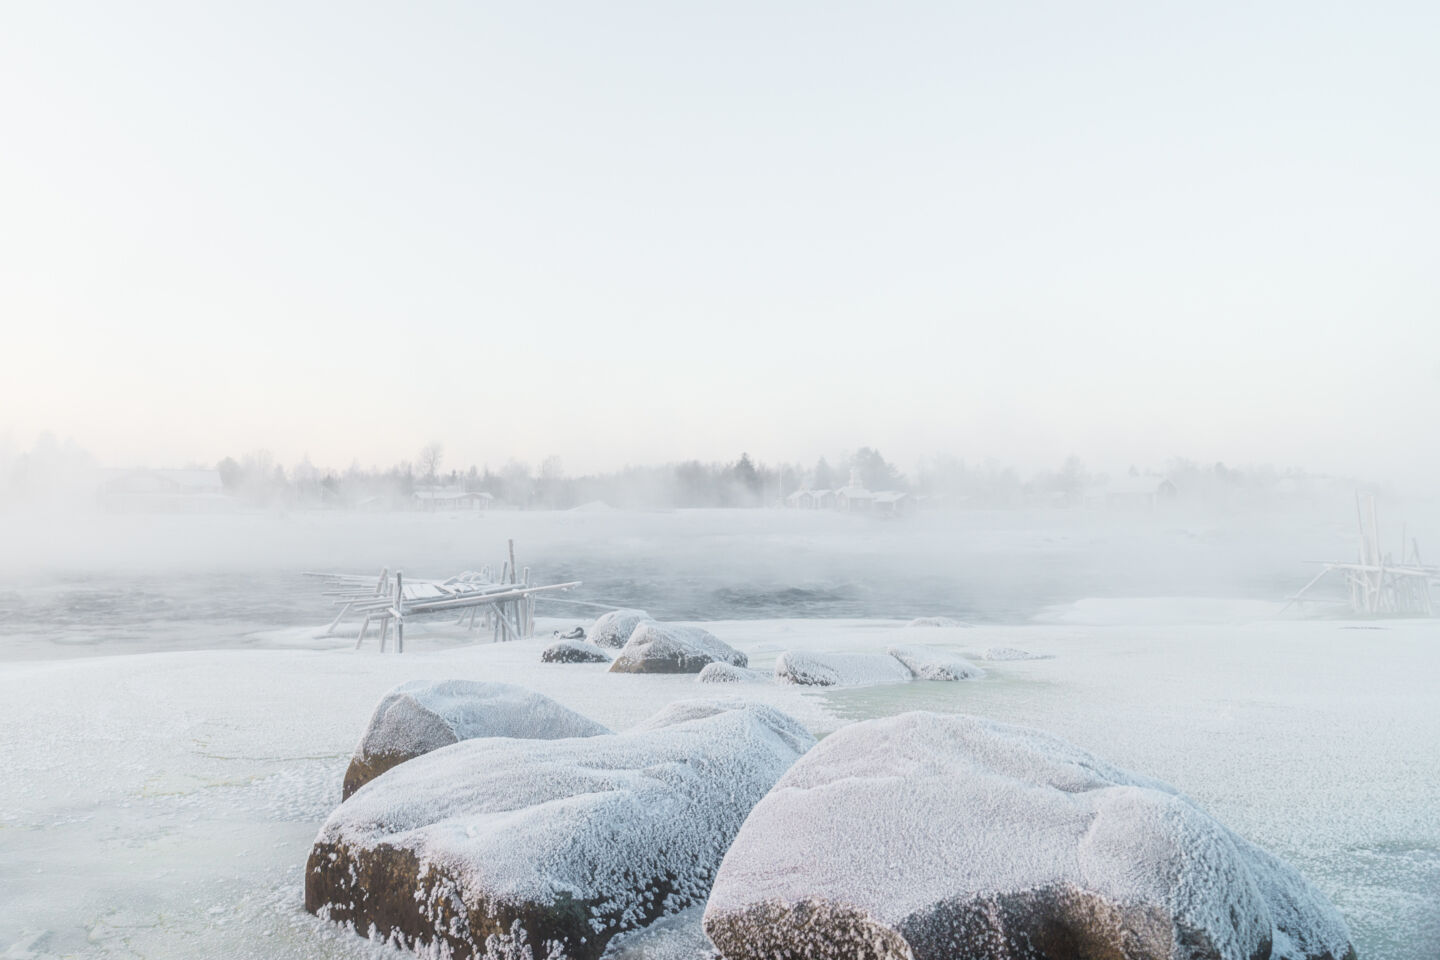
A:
{"x": 451, "y": 498}
{"x": 811, "y": 499}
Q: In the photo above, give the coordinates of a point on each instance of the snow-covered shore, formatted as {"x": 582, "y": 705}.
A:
{"x": 163, "y": 804}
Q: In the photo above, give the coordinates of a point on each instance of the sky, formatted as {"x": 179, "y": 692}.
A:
{"x": 643, "y": 232}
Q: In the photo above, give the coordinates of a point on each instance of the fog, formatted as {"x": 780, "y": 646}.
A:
{"x": 1065, "y": 343}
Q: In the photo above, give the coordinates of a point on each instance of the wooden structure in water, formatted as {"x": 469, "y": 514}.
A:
{"x": 504, "y": 605}
{"x": 1378, "y": 585}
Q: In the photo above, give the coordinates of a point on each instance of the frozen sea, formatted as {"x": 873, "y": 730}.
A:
{"x": 175, "y": 728}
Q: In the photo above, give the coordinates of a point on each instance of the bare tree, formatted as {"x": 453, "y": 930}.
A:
{"x": 431, "y": 456}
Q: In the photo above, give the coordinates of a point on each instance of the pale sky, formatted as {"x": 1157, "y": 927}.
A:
{"x": 640, "y": 232}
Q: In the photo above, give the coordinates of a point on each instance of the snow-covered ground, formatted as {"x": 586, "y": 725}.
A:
{"x": 161, "y": 804}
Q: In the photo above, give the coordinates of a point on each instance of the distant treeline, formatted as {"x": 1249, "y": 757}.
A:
{"x": 744, "y": 482}
{"x": 65, "y": 473}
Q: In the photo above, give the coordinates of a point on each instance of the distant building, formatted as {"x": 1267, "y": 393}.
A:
{"x": 811, "y": 499}
{"x": 451, "y": 498}
{"x": 891, "y": 503}
{"x": 854, "y": 499}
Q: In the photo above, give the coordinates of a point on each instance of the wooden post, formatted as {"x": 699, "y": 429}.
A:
{"x": 527, "y": 619}
{"x": 399, "y": 614}
{"x": 335, "y": 624}
{"x": 514, "y": 606}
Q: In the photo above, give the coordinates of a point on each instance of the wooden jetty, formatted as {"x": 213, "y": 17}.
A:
{"x": 505, "y": 605}
{"x": 1378, "y": 585}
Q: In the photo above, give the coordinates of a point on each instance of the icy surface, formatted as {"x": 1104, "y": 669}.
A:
{"x": 934, "y": 663}
{"x": 898, "y": 817}
{"x": 673, "y": 648}
{"x": 613, "y": 629}
{"x": 729, "y": 673}
{"x": 607, "y": 820}
{"x": 839, "y": 669}
{"x": 177, "y": 783}
{"x": 947, "y": 622}
{"x": 679, "y": 936}
{"x": 1012, "y": 653}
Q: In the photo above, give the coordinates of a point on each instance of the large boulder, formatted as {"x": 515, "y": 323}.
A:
{"x": 930, "y": 837}
{"x": 613, "y": 629}
{"x": 573, "y": 651}
{"x": 839, "y": 669}
{"x": 424, "y": 715}
{"x": 672, "y": 648}
{"x": 553, "y": 846}
{"x": 932, "y": 663}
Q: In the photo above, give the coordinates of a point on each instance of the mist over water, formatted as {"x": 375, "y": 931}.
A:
{"x": 99, "y": 584}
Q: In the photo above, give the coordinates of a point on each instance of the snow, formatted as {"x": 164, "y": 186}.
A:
{"x": 1012, "y": 653}
{"x": 423, "y": 715}
{"x": 676, "y": 937}
{"x": 934, "y": 663}
{"x": 174, "y": 731}
{"x": 839, "y": 669}
{"x": 673, "y": 648}
{"x": 890, "y": 820}
{"x": 728, "y": 673}
{"x": 606, "y": 820}
{"x": 613, "y": 629}
{"x": 1110, "y": 611}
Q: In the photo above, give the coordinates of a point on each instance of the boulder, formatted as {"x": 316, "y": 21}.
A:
{"x": 424, "y": 715}
{"x": 573, "y": 651}
{"x": 932, "y": 663}
{"x": 839, "y": 669}
{"x": 671, "y": 648}
{"x": 719, "y": 672}
{"x": 500, "y": 846}
{"x": 613, "y": 629}
{"x": 1012, "y": 653}
{"x": 929, "y": 837}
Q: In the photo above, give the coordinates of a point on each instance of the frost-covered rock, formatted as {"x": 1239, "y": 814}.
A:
{"x": 932, "y": 663}
{"x": 424, "y": 715}
{"x": 613, "y": 629}
{"x": 552, "y": 846}
{"x": 839, "y": 669}
{"x": 698, "y": 708}
{"x": 930, "y": 837}
{"x": 679, "y": 936}
{"x": 573, "y": 651}
{"x": 671, "y": 648}
{"x": 936, "y": 622}
{"x": 1012, "y": 653}
{"x": 719, "y": 672}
